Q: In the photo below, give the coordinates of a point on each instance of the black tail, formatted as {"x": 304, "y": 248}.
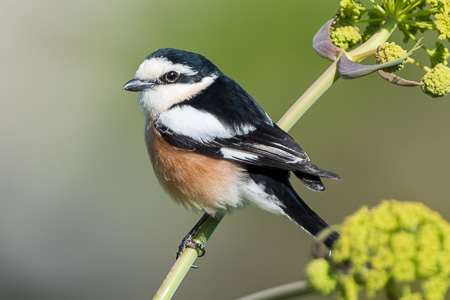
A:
{"x": 277, "y": 183}
{"x": 304, "y": 216}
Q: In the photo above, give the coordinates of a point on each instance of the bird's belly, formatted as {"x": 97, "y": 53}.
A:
{"x": 194, "y": 180}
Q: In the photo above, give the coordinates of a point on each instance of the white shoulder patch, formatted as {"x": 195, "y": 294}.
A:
{"x": 199, "y": 125}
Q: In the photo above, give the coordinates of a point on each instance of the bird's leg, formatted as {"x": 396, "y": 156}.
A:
{"x": 188, "y": 239}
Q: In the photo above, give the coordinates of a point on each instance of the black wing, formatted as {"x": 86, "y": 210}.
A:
{"x": 267, "y": 146}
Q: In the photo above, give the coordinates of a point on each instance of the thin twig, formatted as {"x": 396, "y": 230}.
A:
{"x": 185, "y": 261}
{"x": 285, "y": 291}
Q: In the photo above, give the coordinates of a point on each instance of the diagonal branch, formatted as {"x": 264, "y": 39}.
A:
{"x": 285, "y": 291}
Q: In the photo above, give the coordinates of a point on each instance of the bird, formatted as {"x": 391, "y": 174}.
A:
{"x": 214, "y": 149}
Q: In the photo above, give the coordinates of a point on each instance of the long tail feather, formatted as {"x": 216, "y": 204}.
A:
{"x": 276, "y": 183}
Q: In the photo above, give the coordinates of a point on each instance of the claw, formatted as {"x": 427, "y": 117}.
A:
{"x": 189, "y": 242}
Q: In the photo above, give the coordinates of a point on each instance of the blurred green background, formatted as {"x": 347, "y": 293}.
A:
{"x": 81, "y": 214}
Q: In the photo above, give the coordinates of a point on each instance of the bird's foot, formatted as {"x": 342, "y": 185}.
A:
{"x": 188, "y": 242}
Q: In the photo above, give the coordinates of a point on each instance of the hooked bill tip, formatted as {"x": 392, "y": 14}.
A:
{"x": 137, "y": 85}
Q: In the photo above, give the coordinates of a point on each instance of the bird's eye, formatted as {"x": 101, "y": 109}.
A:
{"x": 171, "y": 76}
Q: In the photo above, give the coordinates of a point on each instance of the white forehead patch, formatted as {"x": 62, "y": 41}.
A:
{"x": 155, "y": 67}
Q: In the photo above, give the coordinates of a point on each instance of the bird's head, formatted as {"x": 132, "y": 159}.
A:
{"x": 169, "y": 76}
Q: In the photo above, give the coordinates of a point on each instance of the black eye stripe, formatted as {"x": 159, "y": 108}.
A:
{"x": 182, "y": 78}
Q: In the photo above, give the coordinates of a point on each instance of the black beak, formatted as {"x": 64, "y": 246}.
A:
{"x": 137, "y": 85}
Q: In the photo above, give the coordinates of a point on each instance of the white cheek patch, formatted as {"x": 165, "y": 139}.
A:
{"x": 198, "y": 125}
{"x": 159, "y": 99}
{"x": 153, "y": 68}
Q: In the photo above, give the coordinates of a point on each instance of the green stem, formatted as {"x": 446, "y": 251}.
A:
{"x": 407, "y": 32}
{"x": 399, "y": 5}
{"x": 410, "y": 7}
{"x": 377, "y": 7}
{"x": 369, "y": 20}
{"x": 420, "y": 13}
{"x": 187, "y": 258}
{"x": 185, "y": 261}
{"x": 418, "y": 64}
{"x": 424, "y": 25}
{"x": 310, "y": 96}
{"x": 326, "y": 80}
{"x": 286, "y": 291}
{"x": 413, "y": 37}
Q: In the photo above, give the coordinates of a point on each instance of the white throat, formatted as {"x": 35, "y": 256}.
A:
{"x": 159, "y": 99}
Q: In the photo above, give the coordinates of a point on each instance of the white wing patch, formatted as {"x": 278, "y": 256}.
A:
{"x": 293, "y": 159}
{"x": 199, "y": 125}
{"x": 238, "y": 154}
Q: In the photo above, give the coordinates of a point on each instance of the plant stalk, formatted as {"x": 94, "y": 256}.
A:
{"x": 184, "y": 263}
{"x": 285, "y": 291}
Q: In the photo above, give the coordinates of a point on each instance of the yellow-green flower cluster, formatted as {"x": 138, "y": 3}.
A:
{"x": 345, "y": 36}
{"x": 388, "y": 247}
{"x": 442, "y": 22}
{"x": 388, "y": 52}
{"x": 349, "y": 11}
{"x": 320, "y": 274}
{"x": 411, "y": 17}
{"x": 436, "y": 83}
{"x": 439, "y": 4}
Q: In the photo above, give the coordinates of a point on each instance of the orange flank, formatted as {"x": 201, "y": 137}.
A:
{"x": 192, "y": 179}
